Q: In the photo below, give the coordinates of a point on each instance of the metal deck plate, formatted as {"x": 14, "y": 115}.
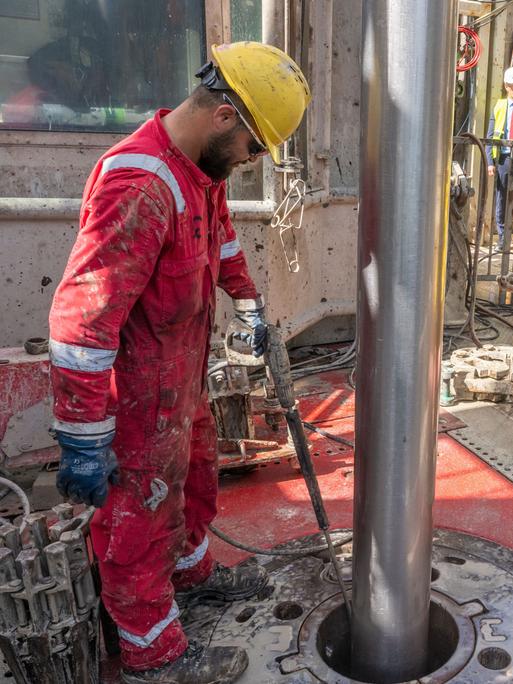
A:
{"x": 472, "y": 579}
{"x": 488, "y": 434}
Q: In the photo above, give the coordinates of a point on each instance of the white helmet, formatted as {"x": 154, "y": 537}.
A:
{"x": 508, "y": 76}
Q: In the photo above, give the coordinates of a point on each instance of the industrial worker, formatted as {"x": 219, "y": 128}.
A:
{"x": 499, "y": 157}
{"x": 130, "y": 326}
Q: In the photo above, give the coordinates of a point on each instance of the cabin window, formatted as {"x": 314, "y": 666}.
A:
{"x": 96, "y": 65}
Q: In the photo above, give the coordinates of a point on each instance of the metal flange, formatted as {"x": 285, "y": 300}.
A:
{"x": 295, "y": 631}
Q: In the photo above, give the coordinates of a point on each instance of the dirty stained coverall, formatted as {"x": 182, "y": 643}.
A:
{"x": 129, "y": 328}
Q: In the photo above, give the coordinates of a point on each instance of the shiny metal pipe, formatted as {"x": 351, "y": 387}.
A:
{"x": 408, "y": 74}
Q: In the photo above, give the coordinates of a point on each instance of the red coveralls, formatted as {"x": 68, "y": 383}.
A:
{"x": 129, "y": 328}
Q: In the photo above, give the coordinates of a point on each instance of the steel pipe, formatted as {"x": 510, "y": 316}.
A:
{"x": 408, "y": 74}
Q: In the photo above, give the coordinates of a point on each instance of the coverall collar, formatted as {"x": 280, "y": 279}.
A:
{"x": 196, "y": 173}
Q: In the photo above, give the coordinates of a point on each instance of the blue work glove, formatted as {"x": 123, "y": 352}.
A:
{"x": 87, "y": 466}
{"x": 251, "y": 314}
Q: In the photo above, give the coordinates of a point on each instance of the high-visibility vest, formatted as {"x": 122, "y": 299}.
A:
{"x": 499, "y": 113}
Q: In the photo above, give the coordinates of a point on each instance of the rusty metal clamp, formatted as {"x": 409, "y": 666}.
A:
{"x": 159, "y": 491}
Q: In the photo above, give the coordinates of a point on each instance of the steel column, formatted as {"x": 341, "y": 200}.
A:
{"x": 408, "y": 73}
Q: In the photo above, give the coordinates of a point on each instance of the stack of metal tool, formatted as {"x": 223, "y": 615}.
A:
{"x": 48, "y": 601}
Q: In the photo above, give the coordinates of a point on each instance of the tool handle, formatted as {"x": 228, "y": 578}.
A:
{"x": 307, "y": 469}
{"x": 277, "y": 359}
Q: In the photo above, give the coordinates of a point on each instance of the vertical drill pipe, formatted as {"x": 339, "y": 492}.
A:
{"x": 406, "y": 121}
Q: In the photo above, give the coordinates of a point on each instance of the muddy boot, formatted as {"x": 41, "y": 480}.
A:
{"x": 198, "y": 665}
{"x": 226, "y": 584}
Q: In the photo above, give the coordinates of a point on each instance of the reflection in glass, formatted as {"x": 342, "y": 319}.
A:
{"x": 98, "y": 64}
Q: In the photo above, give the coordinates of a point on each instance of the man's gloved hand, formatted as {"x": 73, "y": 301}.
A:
{"x": 251, "y": 313}
{"x": 87, "y": 465}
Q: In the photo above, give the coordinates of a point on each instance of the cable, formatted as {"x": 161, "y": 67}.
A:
{"x": 19, "y": 491}
{"x": 297, "y": 364}
{"x": 471, "y": 35}
{"x": 328, "y": 435}
{"x": 352, "y": 378}
{"x": 489, "y": 312}
{"x": 493, "y": 14}
{"x": 302, "y": 551}
{"x": 505, "y": 309}
{"x": 341, "y": 362}
{"x": 471, "y": 266}
{"x": 217, "y": 367}
{"x": 472, "y": 280}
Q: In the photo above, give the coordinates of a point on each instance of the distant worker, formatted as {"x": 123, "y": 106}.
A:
{"x": 499, "y": 157}
{"x": 130, "y": 327}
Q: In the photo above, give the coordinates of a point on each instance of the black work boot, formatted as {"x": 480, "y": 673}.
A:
{"x": 198, "y": 665}
{"x": 227, "y": 584}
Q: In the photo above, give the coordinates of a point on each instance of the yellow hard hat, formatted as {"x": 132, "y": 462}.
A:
{"x": 270, "y": 84}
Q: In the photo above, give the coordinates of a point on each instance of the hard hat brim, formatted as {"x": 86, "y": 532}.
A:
{"x": 275, "y": 153}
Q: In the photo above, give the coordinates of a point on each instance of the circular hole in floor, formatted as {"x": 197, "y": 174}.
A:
{"x": 493, "y": 458}
{"x": 245, "y": 614}
{"x": 435, "y": 574}
{"x": 265, "y": 593}
{"x": 334, "y": 643}
{"x": 494, "y": 658}
{"x": 454, "y": 560}
{"x": 287, "y": 610}
{"x": 500, "y": 463}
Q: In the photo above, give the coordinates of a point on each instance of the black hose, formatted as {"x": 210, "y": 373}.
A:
{"x": 328, "y": 435}
{"x": 483, "y": 194}
{"x": 302, "y": 551}
{"x": 489, "y": 312}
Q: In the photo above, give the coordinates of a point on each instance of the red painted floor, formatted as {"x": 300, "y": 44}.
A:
{"x": 271, "y": 505}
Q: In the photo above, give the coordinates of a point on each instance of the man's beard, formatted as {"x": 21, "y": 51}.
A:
{"x": 216, "y": 159}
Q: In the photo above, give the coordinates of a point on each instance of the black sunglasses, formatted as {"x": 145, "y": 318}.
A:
{"x": 256, "y": 148}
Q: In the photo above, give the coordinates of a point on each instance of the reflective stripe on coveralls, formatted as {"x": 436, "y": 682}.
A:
{"x": 147, "y": 163}
{"x": 230, "y": 249}
{"x": 81, "y": 358}
{"x": 141, "y": 279}
{"x": 74, "y": 357}
{"x": 499, "y": 113}
{"x": 187, "y": 562}
{"x": 155, "y": 631}
{"x": 89, "y": 429}
{"x": 184, "y": 563}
